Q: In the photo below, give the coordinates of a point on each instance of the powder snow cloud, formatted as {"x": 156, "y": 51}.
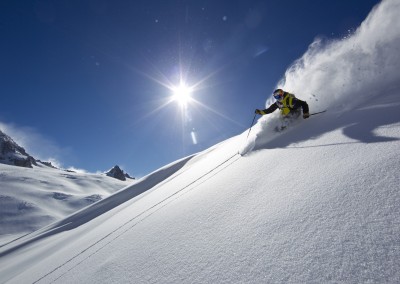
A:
{"x": 365, "y": 62}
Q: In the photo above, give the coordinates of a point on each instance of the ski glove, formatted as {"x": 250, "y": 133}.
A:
{"x": 306, "y": 115}
{"x": 260, "y": 112}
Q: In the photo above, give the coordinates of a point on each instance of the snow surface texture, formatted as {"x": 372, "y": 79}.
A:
{"x": 317, "y": 203}
{"x": 38, "y": 193}
{"x": 31, "y": 198}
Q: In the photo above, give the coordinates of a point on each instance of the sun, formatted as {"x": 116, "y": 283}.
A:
{"x": 182, "y": 94}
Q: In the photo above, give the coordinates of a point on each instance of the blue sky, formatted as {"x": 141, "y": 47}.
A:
{"x": 87, "y": 83}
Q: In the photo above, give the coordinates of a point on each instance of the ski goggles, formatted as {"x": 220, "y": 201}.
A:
{"x": 278, "y": 97}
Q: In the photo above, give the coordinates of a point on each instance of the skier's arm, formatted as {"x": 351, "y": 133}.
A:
{"x": 303, "y": 105}
{"x": 271, "y": 109}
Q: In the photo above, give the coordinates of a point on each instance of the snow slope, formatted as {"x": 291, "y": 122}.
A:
{"x": 34, "y": 193}
{"x": 318, "y": 203}
{"x": 31, "y": 198}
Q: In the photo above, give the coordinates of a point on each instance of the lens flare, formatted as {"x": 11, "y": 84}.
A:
{"x": 182, "y": 94}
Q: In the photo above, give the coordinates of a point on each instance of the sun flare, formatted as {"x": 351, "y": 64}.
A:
{"x": 182, "y": 94}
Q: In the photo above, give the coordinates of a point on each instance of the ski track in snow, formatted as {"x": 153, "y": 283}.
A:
{"x": 69, "y": 223}
{"x": 118, "y": 232}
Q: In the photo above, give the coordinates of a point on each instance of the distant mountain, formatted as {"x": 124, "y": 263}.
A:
{"x": 13, "y": 154}
{"x": 37, "y": 191}
{"x": 117, "y": 173}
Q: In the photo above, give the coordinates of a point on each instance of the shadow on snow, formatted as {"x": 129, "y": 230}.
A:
{"x": 358, "y": 124}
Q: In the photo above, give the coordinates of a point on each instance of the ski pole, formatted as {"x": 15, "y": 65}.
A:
{"x": 317, "y": 112}
{"x": 254, "y": 118}
{"x": 251, "y": 126}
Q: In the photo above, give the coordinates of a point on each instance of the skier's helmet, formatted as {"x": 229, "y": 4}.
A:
{"x": 278, "y": 94}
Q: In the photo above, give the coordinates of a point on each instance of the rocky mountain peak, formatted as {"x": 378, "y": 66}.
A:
{"x": 117, "y": 173}
{"x": 13, "y": 154}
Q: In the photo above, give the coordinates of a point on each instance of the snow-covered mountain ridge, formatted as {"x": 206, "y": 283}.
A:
{"x": 35, "y": 193}
{"x": 31, "y": 198}
{"x": 118, "y": 173}
{"x": 13, "y": 154}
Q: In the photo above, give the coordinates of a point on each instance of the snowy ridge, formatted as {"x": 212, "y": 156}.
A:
{"x": 318, "y": 203}
{"x": 13, "y": 154}
{"x": 86, "y": 214}
{"x": 35, "y": 193}
{"x": 31, "y": 198}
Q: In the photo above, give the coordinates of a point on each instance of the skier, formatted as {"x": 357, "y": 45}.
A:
{"x": 287, "y": 103}
{"x": 289, "y": 106}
